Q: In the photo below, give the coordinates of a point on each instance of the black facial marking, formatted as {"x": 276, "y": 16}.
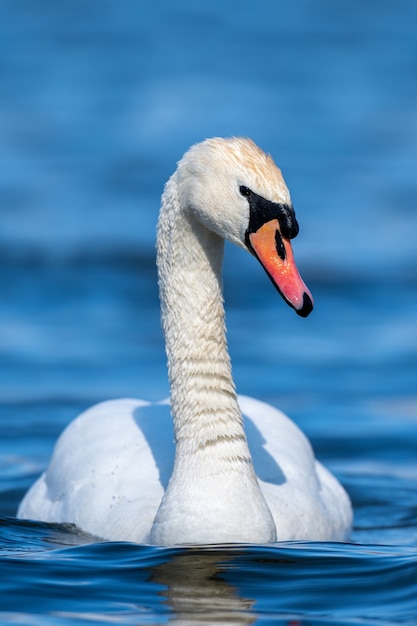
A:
{"x": 263, "y": 210}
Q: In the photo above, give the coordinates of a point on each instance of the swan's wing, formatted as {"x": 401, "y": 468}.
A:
{"x": 108, "y": 471}
{"x": 305, "y": 499}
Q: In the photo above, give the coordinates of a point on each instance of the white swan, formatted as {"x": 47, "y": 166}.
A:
{"x": 113, "y": 472}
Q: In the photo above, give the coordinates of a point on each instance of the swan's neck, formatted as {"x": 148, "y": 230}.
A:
{"x": 213, "y": 465}
{"x": 203, "y": 397}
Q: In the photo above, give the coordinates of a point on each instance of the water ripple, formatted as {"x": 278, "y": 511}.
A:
{"x": 60, "y": 572}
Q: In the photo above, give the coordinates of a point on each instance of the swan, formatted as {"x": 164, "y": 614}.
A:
{"x": 116, "y": 472}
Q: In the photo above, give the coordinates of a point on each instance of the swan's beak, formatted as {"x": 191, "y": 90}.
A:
{"x": 276, "y": 256}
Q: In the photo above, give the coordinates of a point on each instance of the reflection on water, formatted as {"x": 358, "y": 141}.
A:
{"x": 197, "y": 593}
{"x": 53, "y": 570}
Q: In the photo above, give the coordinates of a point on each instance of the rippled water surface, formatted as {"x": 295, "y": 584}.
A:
{"x": 99, "y": 100}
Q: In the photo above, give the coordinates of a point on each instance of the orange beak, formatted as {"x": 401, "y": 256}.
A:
{"x": 276, "y": 256}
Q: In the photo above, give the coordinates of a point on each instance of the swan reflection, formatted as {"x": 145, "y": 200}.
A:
{"x": 196, "y": 591}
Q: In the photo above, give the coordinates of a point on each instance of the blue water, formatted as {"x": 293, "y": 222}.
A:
{"x": 98, "y": 100}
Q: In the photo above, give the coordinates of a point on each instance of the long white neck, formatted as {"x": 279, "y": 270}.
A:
{"x": 213, "y": 482}
{"x": 203, "y": 397}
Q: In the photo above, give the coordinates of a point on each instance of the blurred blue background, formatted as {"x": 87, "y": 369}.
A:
{"x": 98, "y": 100}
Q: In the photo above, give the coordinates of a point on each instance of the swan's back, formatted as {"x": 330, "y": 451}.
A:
{"x": 111, "y": 466}
{"x": 305, "y": 499}
{"x": 103, "y": 475}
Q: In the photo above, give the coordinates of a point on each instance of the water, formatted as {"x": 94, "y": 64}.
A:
{"x": 98, "y": 101}
{"x": 129, "y": 584}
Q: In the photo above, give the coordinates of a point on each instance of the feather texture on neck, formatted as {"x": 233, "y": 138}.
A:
{"x": 213, "y": 468}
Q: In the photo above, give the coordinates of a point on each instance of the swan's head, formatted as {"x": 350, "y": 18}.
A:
{"x": 236, "y": 190}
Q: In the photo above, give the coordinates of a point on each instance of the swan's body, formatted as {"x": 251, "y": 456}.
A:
{"x": 115, "y": 471}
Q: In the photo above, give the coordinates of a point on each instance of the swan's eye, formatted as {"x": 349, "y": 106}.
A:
{"x": 245, "y": 191}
